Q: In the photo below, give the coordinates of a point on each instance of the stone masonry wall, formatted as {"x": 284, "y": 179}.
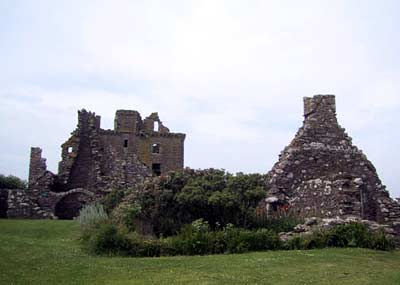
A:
{"x": 20, "y": 205}
{"x": 322, "y": 173}
{"x": 97, "y": 161}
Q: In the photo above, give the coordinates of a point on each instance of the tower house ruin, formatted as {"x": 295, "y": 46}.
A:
{"x": 95, "y": 161}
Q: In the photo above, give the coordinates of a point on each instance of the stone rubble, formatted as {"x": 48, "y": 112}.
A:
{"x": 316, "y": 224}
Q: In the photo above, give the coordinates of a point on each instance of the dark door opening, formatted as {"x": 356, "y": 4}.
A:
{"x": 3, "y": 204}
{"x": 69, "y": 206}
{"x": 156, "y": 169}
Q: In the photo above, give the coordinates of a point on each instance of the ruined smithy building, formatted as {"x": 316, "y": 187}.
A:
{"x": 321, "y": 173}
{"x": 95, "y": 161}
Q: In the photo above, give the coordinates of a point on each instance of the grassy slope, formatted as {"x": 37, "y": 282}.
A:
{"x": 47, "y": 252}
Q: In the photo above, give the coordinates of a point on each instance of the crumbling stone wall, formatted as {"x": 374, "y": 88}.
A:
{"x": 322, "y": 173}
{"x": 95, "y": 161}
{"x": 16, "y": 203}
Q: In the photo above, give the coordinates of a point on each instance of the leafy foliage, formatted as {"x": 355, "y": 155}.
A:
{"x": 171, "y": 201}
{"x": 12, "y": 182}
{"x": 350, "y": 235}
{"x": 285, "y": 223}
{"x": 193, "y": 239}
{"x": 112, "y": 200}
{"x": 198, "y": 239}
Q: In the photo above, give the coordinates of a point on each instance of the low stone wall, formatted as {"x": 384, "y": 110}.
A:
{"x": 313, "y": 224}
{"x": 19, "y": 205}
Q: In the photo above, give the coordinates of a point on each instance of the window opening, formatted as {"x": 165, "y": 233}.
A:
{"x": 156, "y": 148}
{"x": 70, "y": 149}
{"x": 125, "y": 142}
{"x": 156, "y": 126}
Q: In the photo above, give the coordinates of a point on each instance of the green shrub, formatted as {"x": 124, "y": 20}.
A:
{"x": 197, "y": 239}
{"x": 380, "y": 242}
{"x": 92, "y": 215}
{"x": 130, "y": 212}
{"x": 294, "y": 243}
{"x": 239, "y": 240}
{"x": 234, "y": 239}
{"x": 315, "y": 240}
{"x": 193, "y": 239}
{"x": 107, "y": 239}
{"x": 284, "y": 223}
{"x": 168, "y": 202}
{"x": 112, "y": 200}
{"x": 349, "y": 235}
{"x": 262, "y": 239}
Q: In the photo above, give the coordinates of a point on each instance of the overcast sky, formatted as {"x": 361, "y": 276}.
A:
{"x": 229, "y": 74}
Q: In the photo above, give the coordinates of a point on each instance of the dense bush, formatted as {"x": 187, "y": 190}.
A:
{"x": 107, "y": 239}
{"x": 284, "y": 223}
{"x": 350, "y": 235}
{"x": 168, "y": 202}
{"x": 198, "y": 239}
{"x": 112, "y": 199}
{"x": 12, "y": 182}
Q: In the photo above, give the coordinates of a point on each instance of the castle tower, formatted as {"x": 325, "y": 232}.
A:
{"x": 321, "y": 173}
{"x": 127, "y": 121}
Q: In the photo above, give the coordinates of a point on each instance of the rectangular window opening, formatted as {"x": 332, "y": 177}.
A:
{"x": 125, "y": 142}
{"x": 155, "y": 148}
{"x": 156, "y": 126}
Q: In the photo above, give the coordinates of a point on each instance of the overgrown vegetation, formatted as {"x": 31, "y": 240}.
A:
{"x": 12, "y": 182}
{"x": 350, "y": 235}
{"x": 193, "y": 212}
{"x": 169, "y": 202}
{"x": 198, "y": 239}
{"x": 112, "y": 200}
{"x": 92, "y": 215}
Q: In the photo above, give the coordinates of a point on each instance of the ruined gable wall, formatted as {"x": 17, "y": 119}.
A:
{"x": 322, "y": 172}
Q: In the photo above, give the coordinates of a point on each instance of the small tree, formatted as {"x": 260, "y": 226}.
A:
{"x": 12, "y": 182}
{"x": 249, "y": 190}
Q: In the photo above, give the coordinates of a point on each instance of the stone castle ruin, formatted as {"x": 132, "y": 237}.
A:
{"x": 96, "y": 161}
{"x": 321, "y": 173}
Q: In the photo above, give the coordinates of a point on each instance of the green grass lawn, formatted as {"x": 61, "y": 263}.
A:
{"x": 48, "y": 252}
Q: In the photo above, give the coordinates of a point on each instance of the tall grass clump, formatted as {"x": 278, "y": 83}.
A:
{"x": 92, "y": 215}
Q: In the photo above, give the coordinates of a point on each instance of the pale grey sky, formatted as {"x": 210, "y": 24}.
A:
{"x": 230, "y": 74}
